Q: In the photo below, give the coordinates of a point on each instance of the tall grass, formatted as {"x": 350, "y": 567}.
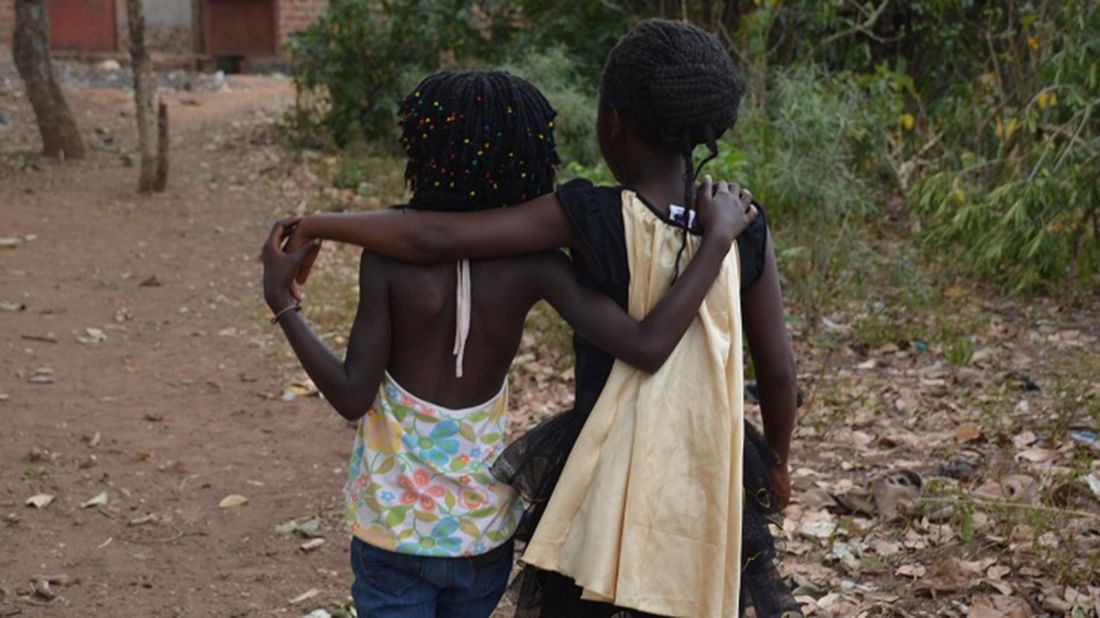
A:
{"x": 812, "y": 152}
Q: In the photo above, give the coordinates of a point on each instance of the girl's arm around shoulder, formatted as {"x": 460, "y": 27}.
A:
{"x": 648, "y": 343}
{"x": 593, "y": 314}
{"x": 428, "y": 237}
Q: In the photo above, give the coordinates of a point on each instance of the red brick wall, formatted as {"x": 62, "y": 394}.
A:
{"x": 7, "y": 27}
{"x": 293, "y": 15}
{"x": 297, "y": 14}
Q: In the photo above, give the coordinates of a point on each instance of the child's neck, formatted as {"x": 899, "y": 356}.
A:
{"x": 658, "y": 177}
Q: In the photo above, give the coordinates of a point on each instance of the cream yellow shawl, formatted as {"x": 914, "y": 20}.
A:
{"x": 647, "y": 514}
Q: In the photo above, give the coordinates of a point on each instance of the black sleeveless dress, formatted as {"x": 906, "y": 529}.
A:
{"x": 533, "y": 463}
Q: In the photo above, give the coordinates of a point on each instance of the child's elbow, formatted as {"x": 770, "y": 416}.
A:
{"x": 351, "y": 410}
{"x": 649, "y": 357}
{"x": 782, "y": 377}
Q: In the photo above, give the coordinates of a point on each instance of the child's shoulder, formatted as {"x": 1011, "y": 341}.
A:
{"x": 524, "y": 265}
{"x": 584, "y": 186}
{"x": 379, "y": 266}
{"x": 591, "y": 207}
{"x": 371, "y": 259}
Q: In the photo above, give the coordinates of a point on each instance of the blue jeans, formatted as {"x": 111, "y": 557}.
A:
{"x": 392, "y": 585}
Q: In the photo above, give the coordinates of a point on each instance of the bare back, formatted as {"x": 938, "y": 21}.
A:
{"x": 423, "y": 304}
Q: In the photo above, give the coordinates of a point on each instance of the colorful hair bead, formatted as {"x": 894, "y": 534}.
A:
{"x": 464, "y": 155}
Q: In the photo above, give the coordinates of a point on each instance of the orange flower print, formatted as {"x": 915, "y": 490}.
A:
{"x": 417, "y": 488}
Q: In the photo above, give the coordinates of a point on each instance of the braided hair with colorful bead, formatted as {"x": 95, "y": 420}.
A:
{"x": 476, "y": 140}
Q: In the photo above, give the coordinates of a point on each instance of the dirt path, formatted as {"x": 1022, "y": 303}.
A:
{"x": 179, "y": 406}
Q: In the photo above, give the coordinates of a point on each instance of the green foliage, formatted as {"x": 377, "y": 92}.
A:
{"x": 352, "y": 64}
{"x": 994, "y": 133}
{"x": 1016, "y": 196}
{"x": 555, "y": 73}
{"x": 37, "y": 474}
{"x": 351, "y": 174}
{"x": 1076, "y": 402}
{"x": 972, "y": 123}
{"x": 583, "y": 29}
{"x": 811, "y": 155}
{"x": 598, "y": 173}
{"x": 813, "y": 150}
{"x": 959, "y": 351}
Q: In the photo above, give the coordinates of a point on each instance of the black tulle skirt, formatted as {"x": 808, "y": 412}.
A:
{"x": 534, "y": 462}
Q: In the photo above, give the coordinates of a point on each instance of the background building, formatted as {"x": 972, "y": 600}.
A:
{"x": 253, "y": 29}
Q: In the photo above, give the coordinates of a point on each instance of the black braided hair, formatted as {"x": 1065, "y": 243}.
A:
{"x": 476, "y": 140}
{"x": 676, "y": 85}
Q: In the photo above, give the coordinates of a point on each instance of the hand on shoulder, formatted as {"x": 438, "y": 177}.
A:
{"x": 725, "y": 210}
{"x": 281, "y": 263}
{"x": 300, "y": 235}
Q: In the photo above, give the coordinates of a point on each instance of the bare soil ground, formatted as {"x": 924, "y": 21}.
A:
{"x": 137, "y": 363}
{"x": 179, "y": 405}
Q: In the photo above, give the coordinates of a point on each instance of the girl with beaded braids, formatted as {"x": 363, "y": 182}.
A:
{"x": 650, "y": 496}
{"x": 425, "y": 371}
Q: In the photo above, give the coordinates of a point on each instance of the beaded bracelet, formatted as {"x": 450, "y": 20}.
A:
{"x": 279, "y": 314}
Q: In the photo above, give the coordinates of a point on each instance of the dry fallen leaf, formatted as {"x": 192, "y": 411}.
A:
{"x": 1035, "y": 455}
{"x": 99, "y": 499}
{"x": 305, "y": 596}
{"x": 816, "y": 499}
{"x": 818, "y": 526}
{"x": 43, "y": 590}
{"x": 40, "y": 501}
{"x": 886, "y": 548}
{"x": 42, "y": 375}
{"x": 896, "y": 492}
{"x": 1093, "y": 481}
{"x": 968, "y": 433}
{"x": 232, "y": 501}
{"x": 145, "y": 519}
{"x": 999, "y": 606}
{"x": 92, "y": 336}
{"x": 947, "y": 575}
{"x": 910, "y": 570}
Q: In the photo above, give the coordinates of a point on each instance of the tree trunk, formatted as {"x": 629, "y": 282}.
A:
{"x": 31, "y": 51}
{"x": 162, "y": 148}
{"x": 143, "y": 97}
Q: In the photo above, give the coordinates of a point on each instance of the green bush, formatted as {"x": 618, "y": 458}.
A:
{"x": 813, "y": 156}
{"x": 814, "y": 150}
{"x": 1015, "y": 194}
{"x": 555, "y": 73}
{"x": 354, "y": 62}
{"x": 976, "y": 122}
{"x": 584, "y": 29}
{"x": 994, "y": 142}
